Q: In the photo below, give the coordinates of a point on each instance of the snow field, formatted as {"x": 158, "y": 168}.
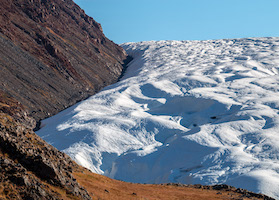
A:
{"x": 185, "y": 111}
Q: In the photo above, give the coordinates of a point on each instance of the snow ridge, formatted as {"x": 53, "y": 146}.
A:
{"x": 185, "y": 111}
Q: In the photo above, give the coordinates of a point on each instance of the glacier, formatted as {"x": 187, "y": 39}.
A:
{"x": 193, "y": 112}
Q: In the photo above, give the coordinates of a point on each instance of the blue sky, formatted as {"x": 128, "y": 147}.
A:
{"x": 143, "y": 20}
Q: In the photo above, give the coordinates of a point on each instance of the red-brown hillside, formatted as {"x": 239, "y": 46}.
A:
{"x": 53, "y": 54}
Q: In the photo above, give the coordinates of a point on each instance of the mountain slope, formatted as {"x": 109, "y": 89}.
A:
{"x": 53, "y": 55}
{"x": 185, "y": 111}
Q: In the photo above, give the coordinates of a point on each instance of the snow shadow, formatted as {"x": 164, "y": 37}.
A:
{"x": 177, "y": 159}
{"x": 195, "y": 111}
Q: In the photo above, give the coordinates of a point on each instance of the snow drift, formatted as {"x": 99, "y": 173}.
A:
{"x": 185, "y": 111}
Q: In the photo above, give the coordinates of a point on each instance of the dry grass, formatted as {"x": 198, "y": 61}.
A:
{"x": 4, "y": 105}
{"x": 8, "y": 191}
{"x": 5, "y": 118}
{"x": 100, "y": 187}
{"x": 61, "y": 192}
{"x": 2, "y": 194}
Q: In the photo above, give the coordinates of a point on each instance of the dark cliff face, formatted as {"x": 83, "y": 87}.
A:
{"x": 53, "y": 55}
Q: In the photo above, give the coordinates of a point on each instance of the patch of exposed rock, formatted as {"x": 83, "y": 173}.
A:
{"x": 28, "y": 165}
{"x": 17, "y": 183}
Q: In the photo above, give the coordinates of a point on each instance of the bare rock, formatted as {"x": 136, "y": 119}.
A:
{"x": 28, "y": 162}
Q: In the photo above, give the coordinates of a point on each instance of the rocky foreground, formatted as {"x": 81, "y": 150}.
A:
{"x": 30, "y": 168}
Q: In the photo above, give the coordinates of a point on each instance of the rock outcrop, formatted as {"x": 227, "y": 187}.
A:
{"x": 29, "y": 167}
{"x": 53, "y": 55}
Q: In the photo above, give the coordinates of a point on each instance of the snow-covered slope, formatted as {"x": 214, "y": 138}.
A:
{"x": 185, "y": 111}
